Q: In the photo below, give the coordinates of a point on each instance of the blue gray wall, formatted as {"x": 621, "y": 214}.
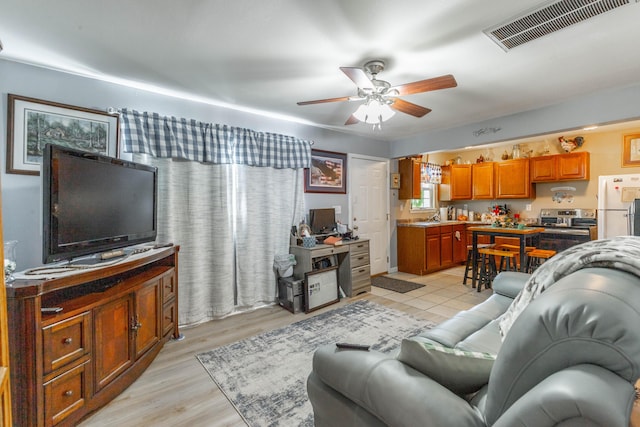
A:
{"x": 21, "y": 193}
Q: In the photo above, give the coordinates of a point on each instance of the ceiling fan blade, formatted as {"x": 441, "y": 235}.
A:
{"x": 351, "y": 120}
{"x": 442, "y": 82}
{"x": 321, "y": 101}
{"x": 409, "y": 108}
{"x": 358, "y": 76}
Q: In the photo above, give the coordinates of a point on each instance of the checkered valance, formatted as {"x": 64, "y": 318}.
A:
{"x": 163, "y": 136}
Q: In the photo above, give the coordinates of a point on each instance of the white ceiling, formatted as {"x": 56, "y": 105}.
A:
{"x": 266, "y": 55}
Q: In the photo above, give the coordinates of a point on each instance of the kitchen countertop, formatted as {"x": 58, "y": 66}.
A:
{"x": 425, "y": 224}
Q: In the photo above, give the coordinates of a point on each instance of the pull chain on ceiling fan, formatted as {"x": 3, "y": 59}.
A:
{"x": 380, "y": 98}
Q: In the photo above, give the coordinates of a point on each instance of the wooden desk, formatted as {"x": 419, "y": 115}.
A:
{"x": 531, "y": 233}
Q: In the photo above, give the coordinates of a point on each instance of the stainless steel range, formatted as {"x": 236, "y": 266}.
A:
{"x": 564, "y": 228}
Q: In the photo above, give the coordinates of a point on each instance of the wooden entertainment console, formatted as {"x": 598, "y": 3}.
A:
{"x": 114, "y": 321}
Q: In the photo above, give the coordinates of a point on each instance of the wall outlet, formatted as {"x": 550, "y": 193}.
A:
{"x": 528, "y": 207}
{"x": 338, "y": 209}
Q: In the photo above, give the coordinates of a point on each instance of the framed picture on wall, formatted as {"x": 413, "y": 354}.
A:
{"x": 327, "y": 174}
{"x": 631, "y": 150}
{"x": 32, "y": 123}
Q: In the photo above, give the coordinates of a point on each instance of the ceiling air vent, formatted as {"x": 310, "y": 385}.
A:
{"x": 548, "y": 18}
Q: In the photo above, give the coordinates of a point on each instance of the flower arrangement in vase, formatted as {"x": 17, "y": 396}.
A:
{"x": 500, "y": 216}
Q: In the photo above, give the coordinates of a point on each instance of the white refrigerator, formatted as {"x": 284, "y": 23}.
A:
{"x": 618, "y": 200}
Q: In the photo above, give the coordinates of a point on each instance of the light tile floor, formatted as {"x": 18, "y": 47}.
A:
{"x": 443, "y": 295}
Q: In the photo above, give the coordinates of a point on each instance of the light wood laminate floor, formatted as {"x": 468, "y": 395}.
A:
{"x": 176, "y": 390}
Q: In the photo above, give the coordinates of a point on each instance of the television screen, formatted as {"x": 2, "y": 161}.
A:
{"x": 322, "y": 221}
{"x": 94, "y": 203}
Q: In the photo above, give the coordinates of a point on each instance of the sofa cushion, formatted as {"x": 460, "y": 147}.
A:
{"x": 460, "y": 371}
{"x": 509, "y": 283}
{"x": 485, "y": 340}
{"x": 450, "y": 332}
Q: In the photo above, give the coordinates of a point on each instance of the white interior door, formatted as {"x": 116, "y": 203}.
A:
{"x": 369, "y": 206}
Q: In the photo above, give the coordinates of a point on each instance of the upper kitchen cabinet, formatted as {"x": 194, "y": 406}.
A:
{"x": 409, "y": 179}
{"x": 456, "y": 183}
{"x": 482, "y": 179}
{"x": 513, "y": 180}
{"x": 560, "y": 167}
{"x": 573, "y": 166}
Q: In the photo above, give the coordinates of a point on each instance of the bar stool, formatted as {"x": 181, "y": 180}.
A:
{"x": 468, "y": 268}
{"x": 488, "y": 269}
{"x": 515, "y": 248}
{"x": 536, "y": 257}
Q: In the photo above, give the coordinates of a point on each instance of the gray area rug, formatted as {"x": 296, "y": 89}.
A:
{"x": 397, "y": 285}
{"x": 265, "y": 376}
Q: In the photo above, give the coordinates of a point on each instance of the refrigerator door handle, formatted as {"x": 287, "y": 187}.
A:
{"x": 602, "y": 193}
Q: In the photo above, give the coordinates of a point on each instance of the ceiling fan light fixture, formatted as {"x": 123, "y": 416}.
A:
{"x": 374, "y": 112}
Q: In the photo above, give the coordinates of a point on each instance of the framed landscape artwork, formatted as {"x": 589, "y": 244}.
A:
{"x": 32, "y": 123}
{"x": 631, "y": 150}
{"x": 327, "y": 174}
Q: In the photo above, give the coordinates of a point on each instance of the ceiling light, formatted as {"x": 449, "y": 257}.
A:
{"x": 590, "y": 128}
{"x": 374, "y": 112}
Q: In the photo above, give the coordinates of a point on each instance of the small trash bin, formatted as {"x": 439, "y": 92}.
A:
{"x": 284, "y": 264}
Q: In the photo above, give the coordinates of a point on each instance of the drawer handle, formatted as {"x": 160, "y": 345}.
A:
{"x": 362, "y": 271}
{"x": 68, "y": 393}
{"x": 168, "y": 287}
{"x": 68, "y": 340}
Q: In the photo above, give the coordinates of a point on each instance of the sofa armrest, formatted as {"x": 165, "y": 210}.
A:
{"x": 393, "y": 392}
{"x": 583, "y": 395}
{"x": 509, "y": 283}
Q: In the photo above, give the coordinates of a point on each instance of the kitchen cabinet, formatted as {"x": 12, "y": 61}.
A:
{"x": 573, "y": 166}
{"x": 560, "y": 167}
{"x": 460, "y": 182}
{"x": 446, "y": 245}
{"x": 412, "y": 249}
{"x": 410, "y": 179}
{"x": 513, "y": 180}
{"x": 112, "y": 324}
{"x": 433, "y": 249}
{"x": 482, "y": 178}
{"x": 422, "y": 250}
{"x": 482, "y": 239}
{"x": 459, "y": 243}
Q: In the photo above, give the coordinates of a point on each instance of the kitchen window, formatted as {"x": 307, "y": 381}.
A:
{"x": 428, "y": 199}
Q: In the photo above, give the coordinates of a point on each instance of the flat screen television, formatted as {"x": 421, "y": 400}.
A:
{"x": 94, "y": 203}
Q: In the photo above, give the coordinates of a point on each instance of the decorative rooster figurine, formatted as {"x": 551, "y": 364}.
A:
{"x": 569, "y": 145}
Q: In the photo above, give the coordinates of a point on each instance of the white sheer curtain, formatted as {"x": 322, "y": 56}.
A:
{"x": 268, "y": 202}
{"x": 228, "y": 196}
{"x": 230, "y": 221}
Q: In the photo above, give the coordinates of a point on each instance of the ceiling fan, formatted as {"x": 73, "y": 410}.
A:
{"x": 380, "y": 98}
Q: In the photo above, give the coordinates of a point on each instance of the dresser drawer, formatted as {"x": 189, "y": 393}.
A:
{"x": 65, "y": 341}
{"x": 360, "y": 280}
{"x": 360, "y": 274}
{"x": 168, "y": 287}
{"x": 359, "y": 248}
{"x": 168, "y": 318}
{"x": 65, "y": 394}
{"x": 358, "y": 260}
